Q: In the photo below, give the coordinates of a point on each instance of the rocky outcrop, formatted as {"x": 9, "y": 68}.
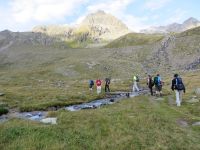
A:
{"x": 96, "y": 27}
{"x": 8, "y": 38}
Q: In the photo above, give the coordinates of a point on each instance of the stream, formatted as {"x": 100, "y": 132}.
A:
{"x": 42, "y": 116}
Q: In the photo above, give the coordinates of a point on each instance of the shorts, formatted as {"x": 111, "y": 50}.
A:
{"x": 90, "y": 86}
{"x": 158, "y": 88}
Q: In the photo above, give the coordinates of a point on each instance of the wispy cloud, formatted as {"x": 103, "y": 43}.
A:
{"x": 110, "y": 6}
{"x": 156, "y": 4}
{"x": 118, "y": 9}
{"x": 43, "y": 10}
{"x": 177, "y": 16}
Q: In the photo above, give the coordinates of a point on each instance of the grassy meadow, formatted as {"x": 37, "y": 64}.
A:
{"x": 39, "y": 77}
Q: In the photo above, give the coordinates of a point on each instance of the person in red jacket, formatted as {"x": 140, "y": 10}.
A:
{"x": 98, "y": 84}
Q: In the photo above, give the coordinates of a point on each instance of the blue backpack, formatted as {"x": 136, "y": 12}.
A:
{"x": 91, "y": 82}
{"x": 179, "y": 84}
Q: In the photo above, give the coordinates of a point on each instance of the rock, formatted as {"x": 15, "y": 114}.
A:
{"x": 112, "y": 100}
{"x": 159, "y": 99}
{"x": 182, "y": 123}
{"x": 2, "y": 94}
{"x": 196, "y": 124}
{"x": 49, "y": 120}
{"x": 197, "y": 91}
{"x": 193, "y": 100}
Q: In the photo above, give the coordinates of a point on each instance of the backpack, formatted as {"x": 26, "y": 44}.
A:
{"x": 179, "y": 84}
{"x": 136, "y": 78}
{"x": 107, "y": 81}
{"x": 157, "y": 81}
{"x": 91, "y": 82}
{"x": 98, "y": 82}
{"x": 151, "y": 82}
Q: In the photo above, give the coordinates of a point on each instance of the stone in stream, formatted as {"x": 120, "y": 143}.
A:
{"x": 197, "y": 91}
{"x": 3, "y": 118}
{"x": 196, "y": 124}
{"x": 2, "y": 94}
{"x": 112, "y": 100}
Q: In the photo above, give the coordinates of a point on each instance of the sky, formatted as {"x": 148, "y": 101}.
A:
{"x": 23, "y": 15}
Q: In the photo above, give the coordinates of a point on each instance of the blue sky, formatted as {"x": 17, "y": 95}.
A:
{"x": 23, "y": 15}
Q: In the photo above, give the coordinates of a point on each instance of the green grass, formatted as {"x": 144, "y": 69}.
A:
{"x": 138, "y": 123}
{"x": 38, "y": 77}
{"x": 135, "y": 39}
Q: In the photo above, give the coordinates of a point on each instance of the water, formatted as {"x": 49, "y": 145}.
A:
{"x": 98, "y": 103}
{"x": 41, "y": 116}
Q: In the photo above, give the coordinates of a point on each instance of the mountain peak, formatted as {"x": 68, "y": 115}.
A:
{"x": 191, "y": 20}
{"x": 174, "y": 27}
{"x": 100, "y": 12}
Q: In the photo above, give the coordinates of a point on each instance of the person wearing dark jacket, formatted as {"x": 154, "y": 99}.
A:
{"x": 150, "y": 84}
{"x": 179, "y": 88}
{"x": 107, "y": 85}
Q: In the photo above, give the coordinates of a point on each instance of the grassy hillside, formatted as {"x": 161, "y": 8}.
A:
{"x": 36, "y": 77}
{"x": 135, "y": 39}
{"x": 144, "y": 122}
{"x": 193, "y": 31}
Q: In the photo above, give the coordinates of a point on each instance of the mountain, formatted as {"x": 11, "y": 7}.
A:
{"x": 178, "y": 51}
{"x": 174, "y": 27}
{"x": 95, "y": 28}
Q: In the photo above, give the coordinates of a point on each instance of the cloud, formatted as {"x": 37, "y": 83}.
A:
{"x": 177, "y": 16}
{"x": 24, "y": 11}
{"x": 135, "y": 23}
{"x": 156, "y": 4}
{"x": 118, "y": 9}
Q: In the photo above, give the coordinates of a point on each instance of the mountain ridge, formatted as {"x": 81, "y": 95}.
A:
{"x": 174, "y": 27}
{"x": 96, "y": 27}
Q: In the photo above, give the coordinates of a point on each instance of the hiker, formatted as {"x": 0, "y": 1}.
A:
{"x": 150, "y": 84}
{"x": 107, "y": 84}
{"x": 178, "y": 87}
{"x": 98, "y": 84}
{"x": 91, "y": 84}
{"x": 158, "y": 85}
{"x": 135, "y": 83}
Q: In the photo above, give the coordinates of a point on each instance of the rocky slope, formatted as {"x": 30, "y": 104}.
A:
{"x": 173, "y": 52}
{"x": 174, "y": 27}
{"x": 8, "y": 38}
{"x": 95, "y": 28}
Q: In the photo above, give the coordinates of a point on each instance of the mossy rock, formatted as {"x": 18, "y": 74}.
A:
{"x": 3, "y": 111}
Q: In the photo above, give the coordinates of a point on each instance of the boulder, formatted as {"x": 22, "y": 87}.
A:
{"x": 49, "y": 120}
{"x": 196, "y": 124}
{"x": 193, "y": 100}
{"x": 2, "y": 94}
{"x": 197, "y": 91}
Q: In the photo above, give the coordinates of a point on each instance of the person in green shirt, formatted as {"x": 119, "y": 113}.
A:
{"x": 135, "y": 83}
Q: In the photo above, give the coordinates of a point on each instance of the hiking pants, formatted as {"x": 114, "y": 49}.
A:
{"x": 178, "y": 97}
{"x": 151, "y": 90}
{"x": 90, "y": 87}
{"x": 135, "y": 86}
{"x": 107, "y": 88}
{"x": 98, "y": 89}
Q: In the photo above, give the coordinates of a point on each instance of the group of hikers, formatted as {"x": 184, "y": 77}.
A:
{"x": 177, "y": 86}
{"x": 99, "y": 84}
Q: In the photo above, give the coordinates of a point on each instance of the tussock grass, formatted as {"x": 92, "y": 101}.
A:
{"x": 3, "y": 110}
{"x": 138, "y": 123}
{"x": 134, "y": 39}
